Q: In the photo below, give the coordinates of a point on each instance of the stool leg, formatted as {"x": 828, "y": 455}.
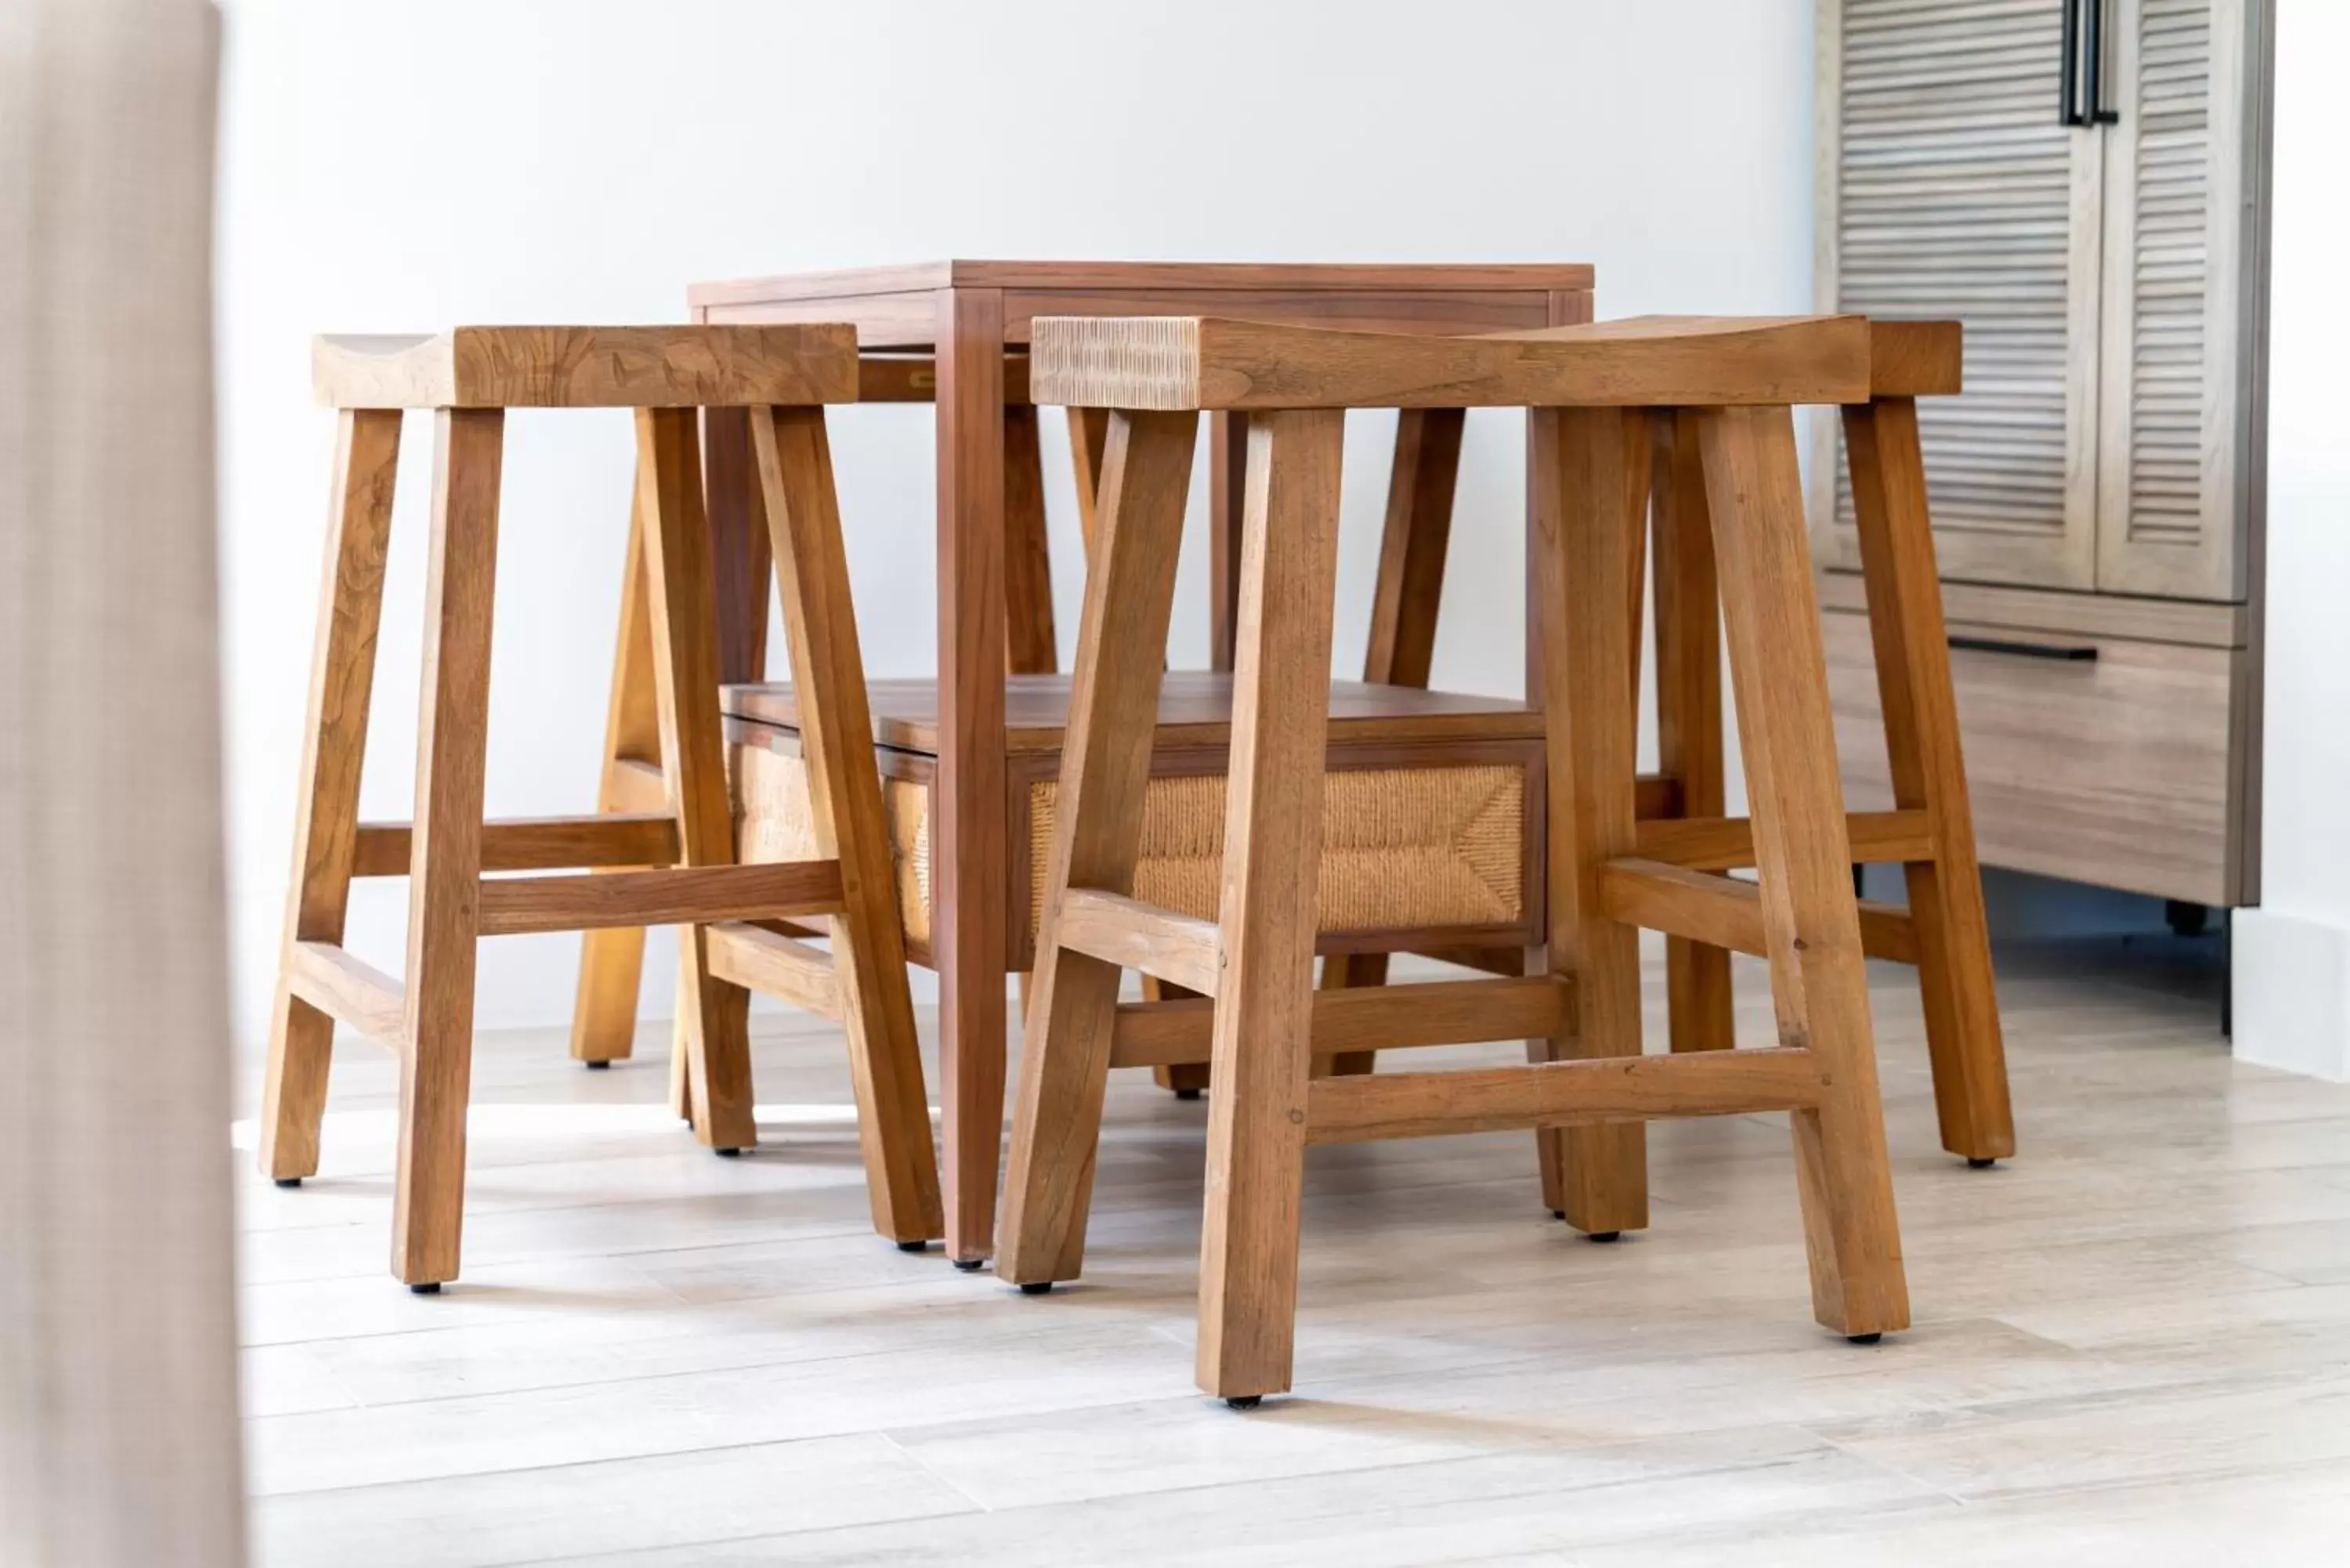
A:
{"x": 1404, "y": 602}
{"x": 1088, "y": 435}
{"x": 1921, "y": 737}
{"x": 1097, "y": 830}
{"x": 1811, "y": 919}
{"x": 1273, "y": 857}
{"x": 445, "y": 851}
{"x": 327, "y": 800}
{"x": 1688, "y": 709}
{"x": 713, "y": 1024}
{"x": 1031, "y": 648}
{"x": 612, "y": 960}
{"x": 869, "y": 949}
{"x": 1591, "y": 499}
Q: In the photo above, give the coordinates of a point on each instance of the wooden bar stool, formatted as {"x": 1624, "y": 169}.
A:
{"x": 1588, "y": 389}
{"x": 779, "y": 378}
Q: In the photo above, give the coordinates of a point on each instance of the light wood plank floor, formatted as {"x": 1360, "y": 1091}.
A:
{"x": 2133, "y": 1343}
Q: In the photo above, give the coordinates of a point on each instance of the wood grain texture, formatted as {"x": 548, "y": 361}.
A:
{"x": 1207, "y": 362}
{"x": 1818, "y": 980}
{"x": 794, "y": 459}
{"x": 760, "y": 960}
{"x": 1915, "y": 358}
{"x": 1555, "y": 1093}
{"x": 1589, "y": 509}
{"x": 1263, "y": 1022}
{"x": 1689, "y": 749}
{"x": 327, "y": 794}
{"x": 713, "y": 1017}
{"x": 588, "y": 367}
{"x": 2115, "y": 770}
{"x": 971, "y": 871}
{"x": 345, "y": 989}
{"x": 1946, "y": 183}
{"x": 1195, "y": 709}
{"x": 1726, "y": 913}
{"x": 1928, "y": 774}
{"x": 1133, "y": 935}
{"x": 1098, "y": 829}
{"x": 1227, "y": 505}
{"x": 612, "y": 961}
{"x": 1366, "y": 1018}
{"x": 2057, "y": 613}
{"x": 535, "y": 844}
{"x": 1030, "y": 647}
{"x": 1727, "y": 842}
{"x": 444, "y": 875}
{"x": 1305, "y": 278}
{"x": 687, "y": 895}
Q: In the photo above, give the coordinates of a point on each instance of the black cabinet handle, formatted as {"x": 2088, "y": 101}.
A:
{"x": 2069, "y": 96}
{"x": 2072, "y": 652}
{"x": 2094, "y": 46}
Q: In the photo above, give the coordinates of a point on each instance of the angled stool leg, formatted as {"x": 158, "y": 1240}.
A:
{"x": 1803, "y": 853}
{"x": 612, "y": 960}
{"x": 1690, "y": 748}
{"x": 1404, "y": 602}
{"x": 1272, "y": 853}
{"x": 1089, "y": 436}
{"x": 445, "y": 847}
{"x": 1591, "y": 497}
{"x": 714, "y": 1017}
{"x": 1104, "y": 769}
{"x": 1921, "y": 738}
{"x": 327, "y": 800}
{"x": 868, "y": 949}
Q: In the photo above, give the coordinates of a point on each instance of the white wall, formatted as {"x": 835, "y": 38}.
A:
{"x": 403, "y": 166}
{"x": 2292, "y": 954}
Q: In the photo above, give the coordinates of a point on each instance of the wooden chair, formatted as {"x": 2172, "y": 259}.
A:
{"x": 778, "y": 378}
{"x": 1593, "y": 392}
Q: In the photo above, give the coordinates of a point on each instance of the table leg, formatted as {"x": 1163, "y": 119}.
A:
{"x": 971, "y": 871}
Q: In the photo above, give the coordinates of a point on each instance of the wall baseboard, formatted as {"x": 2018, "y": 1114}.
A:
{"x": 2291, "y": 984}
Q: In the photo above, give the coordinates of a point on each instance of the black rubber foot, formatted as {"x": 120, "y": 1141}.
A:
{"x": 1246, "y": 1401}
{"x": 1035, "y": 1287}
{"x": 728, "y": 1152}
{"x": 597, "y": 1066}
{"x": 424, "y": 1289}
{"x": 1558, "y": 1213}
{"x": 1864, "y": 1338}
{"x": 970, "y": 1265}
{"x": 1187, "y": 1094}
{"x": 288, "y": 1180}
{"x": 912, "y": 1246}
{"x": 1974, "y": 1164}
{"x": 1605, "y": 1236}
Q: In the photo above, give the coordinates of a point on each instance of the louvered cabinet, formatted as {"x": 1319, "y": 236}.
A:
{"x": 2083, "y": 182}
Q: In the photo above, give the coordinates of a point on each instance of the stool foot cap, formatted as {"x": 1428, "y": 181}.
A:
{"x": 425, "y": 1289}
{"x": 970, "y": 1265}
{"x": 1605, "y": 1236}
{"x": 1246, "y": 1401}
{"x": 1974, "y": 1164}
{"x": 912, "y": 1246}
{"x": 287, "y": 1181}
{"x": 597, "y": 1066}
{"x": 1864, "y": 1338}
{"x": 727, "y": 1153}
{"x": 1558, "y": 1213}
{"x": 1187, "y": 1094}
{"x": 1035, "y": 1287}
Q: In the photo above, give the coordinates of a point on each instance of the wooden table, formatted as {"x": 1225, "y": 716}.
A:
{"x": 994, "y": 603}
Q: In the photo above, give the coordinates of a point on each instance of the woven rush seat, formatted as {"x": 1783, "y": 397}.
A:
{"x": 1431, "y": 804}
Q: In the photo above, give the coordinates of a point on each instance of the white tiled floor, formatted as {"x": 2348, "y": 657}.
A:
{"x": 2132, "y": 1345}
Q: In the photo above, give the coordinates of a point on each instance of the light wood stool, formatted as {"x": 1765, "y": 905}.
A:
{"x": 778, "y": 377}
{"x": 1590, "y": 389}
